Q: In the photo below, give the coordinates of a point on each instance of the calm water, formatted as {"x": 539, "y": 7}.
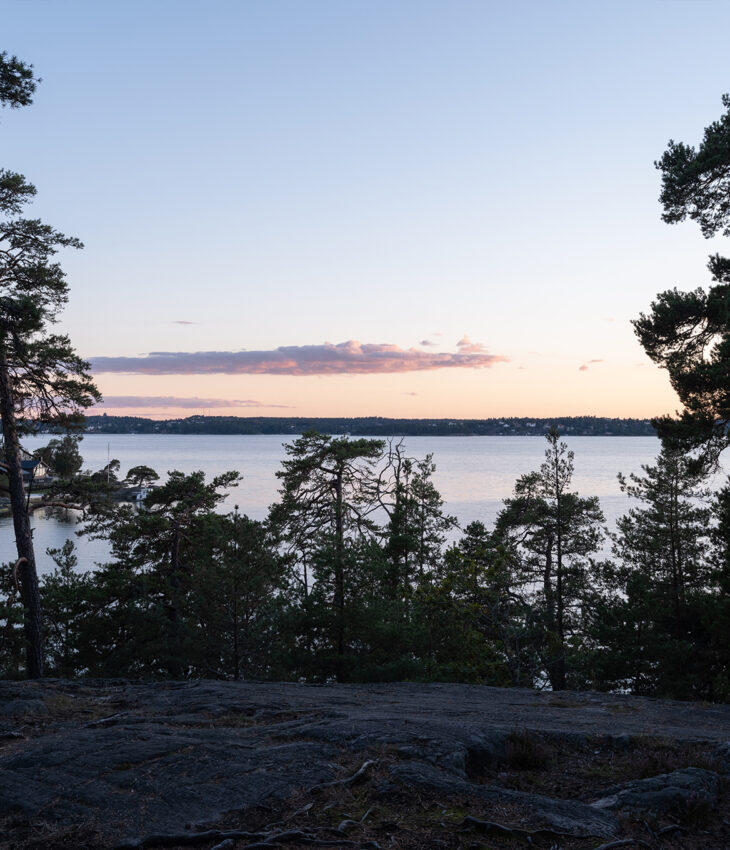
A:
{"x": 473, "y": 474}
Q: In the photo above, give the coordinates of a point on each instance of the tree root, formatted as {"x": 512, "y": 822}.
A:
{"x": 262, "y": 840}
{"x": 352, "y": 822}
{"x": 228, "y": 844}
{"x": 301, "y": 837}
{"x": 673, "y": 827}
{"x": 487, "y": 827}
{"x": 188, "y": 839}
{"x": 350, "y": 780}
{"x": 623, "y": 842}
{"x": 111, "y": 720}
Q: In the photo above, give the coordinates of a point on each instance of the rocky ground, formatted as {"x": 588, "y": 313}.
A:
{"x": 224, "y": 765}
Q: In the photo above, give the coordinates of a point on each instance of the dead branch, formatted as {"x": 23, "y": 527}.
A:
{"x": 15, "y": 572}
{"x": 36, "y": 506}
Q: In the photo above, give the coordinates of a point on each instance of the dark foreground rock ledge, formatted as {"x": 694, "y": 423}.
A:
{"x": 113, "y": 763}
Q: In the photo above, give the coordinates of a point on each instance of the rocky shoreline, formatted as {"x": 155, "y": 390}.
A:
{"x": 241, "y": 765}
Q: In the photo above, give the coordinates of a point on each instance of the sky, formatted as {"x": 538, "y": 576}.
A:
{"x": 366, "y": 208}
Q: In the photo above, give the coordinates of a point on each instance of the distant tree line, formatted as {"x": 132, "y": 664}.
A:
{"x": 374, "y": 426}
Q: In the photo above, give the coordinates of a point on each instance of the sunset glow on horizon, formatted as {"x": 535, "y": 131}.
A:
{"x": 417, "y": 210}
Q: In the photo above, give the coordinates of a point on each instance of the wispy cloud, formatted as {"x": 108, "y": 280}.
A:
{"x": 345, "y": 358}
{"x": 427, "y": 342}
{"x": 166, "y": 401}
{"x": 183, "y": 322}
{"x": 584, "y": 367}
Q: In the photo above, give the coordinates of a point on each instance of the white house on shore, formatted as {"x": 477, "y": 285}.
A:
{"x": 33, "y": 469}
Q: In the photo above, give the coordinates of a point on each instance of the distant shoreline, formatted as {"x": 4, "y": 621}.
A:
{"x": 374, "y": 426}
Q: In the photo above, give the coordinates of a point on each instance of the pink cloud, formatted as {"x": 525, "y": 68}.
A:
{"x": 583, "y": 368}
{"x": 466, "y": 346}
{"x": 352, "y": 357}
{"x": 177, "y": 401}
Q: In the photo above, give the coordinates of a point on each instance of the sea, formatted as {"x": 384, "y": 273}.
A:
{"x": 473, "y": 474}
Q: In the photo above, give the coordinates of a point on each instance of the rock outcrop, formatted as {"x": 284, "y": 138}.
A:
{"x": 137, "y": 760}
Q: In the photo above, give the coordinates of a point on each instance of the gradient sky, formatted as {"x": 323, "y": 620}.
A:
{"x": 402, "y": 208}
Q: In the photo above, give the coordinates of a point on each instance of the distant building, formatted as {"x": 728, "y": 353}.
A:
{"x": 33, "y": 470}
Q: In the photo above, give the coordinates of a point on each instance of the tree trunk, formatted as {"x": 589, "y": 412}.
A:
{"x": 236, "y": 654}
{"x": 29, "y": 591}
{"x": 559, "y": 685}
{"x": 339, "y": 575}
{"x": 547, "y": 583}
{"x": 555, "y": 662}
{"x": 675, "y": 557}
{"x": 175, "y": 666}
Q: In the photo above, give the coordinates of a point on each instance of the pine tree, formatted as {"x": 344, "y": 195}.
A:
{"x": 550, "y": 533}
{"x": 235, "y": 598}
{"x": 41, "y": 378}
{"x": 478, "y": 626}
{"x": 149, "y": 584}
{"x": 324, "y": 521}
{"x": 650, "y": 627}
{"x": 65, "y": 595}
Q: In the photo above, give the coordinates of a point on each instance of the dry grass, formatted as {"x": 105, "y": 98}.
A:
{"x": 525, "y": 751}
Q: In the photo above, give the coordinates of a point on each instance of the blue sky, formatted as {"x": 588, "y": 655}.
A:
{"x": 281, "y": 175}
